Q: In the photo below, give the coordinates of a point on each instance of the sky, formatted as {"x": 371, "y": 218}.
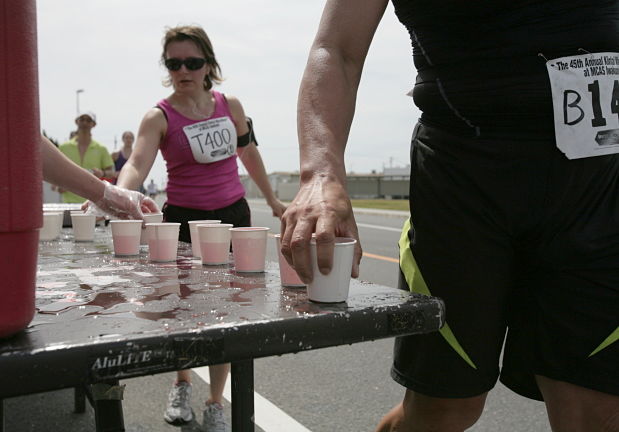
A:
{"x": 110, "y": 49}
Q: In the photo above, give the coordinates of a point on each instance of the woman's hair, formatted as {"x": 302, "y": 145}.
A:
{"x": 198, "y": 36}
{"x": 128, "y": 132}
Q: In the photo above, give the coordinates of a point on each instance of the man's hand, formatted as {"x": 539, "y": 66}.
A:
{"x": 97, "y": 172}
{"x": 321, "y": 207}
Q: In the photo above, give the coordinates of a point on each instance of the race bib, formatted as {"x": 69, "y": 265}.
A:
{"x": 211, "y": 140}
{"x": 585, "y": 98}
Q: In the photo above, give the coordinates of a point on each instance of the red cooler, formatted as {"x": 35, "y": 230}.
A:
{"x": 20, "y": 164}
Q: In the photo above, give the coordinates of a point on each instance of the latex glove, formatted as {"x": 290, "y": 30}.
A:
{"x": 122, "y": 203}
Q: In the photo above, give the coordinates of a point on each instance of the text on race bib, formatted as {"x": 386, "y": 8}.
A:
{"x": 585, "y": 97}
{"x": 212, "y": 140}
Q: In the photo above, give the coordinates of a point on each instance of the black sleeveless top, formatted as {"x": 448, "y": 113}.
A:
{"x": 481, "y": 67}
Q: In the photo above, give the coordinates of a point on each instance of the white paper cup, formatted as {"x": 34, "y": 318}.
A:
{"x": 249, "y": 248}
{"x": 52, "y": 224}
{"x": 60, "y": 219}
{"x": 149, "y": 218}
{"x": 195, "y": 239}
{"x": 332, "y": 288}
{"x": 126, "y": 237}
{"x": 214, "y": 243}
{"x": 287, "y": 274}
{"x": 83, "y": 226}
{"x": 162, "y": 241}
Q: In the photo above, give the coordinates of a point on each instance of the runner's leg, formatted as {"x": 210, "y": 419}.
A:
{"x": 578, "y": 409}
{"x": 418, "y": 413}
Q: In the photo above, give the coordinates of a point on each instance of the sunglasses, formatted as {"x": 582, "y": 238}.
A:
{"x": 191, "y": 63}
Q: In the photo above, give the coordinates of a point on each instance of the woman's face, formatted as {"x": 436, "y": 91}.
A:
{"x": 128, "y": 138}
{"x": 185, "y": 79}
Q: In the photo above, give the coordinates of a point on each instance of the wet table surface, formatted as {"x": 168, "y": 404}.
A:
{"x": 102, "y": 317}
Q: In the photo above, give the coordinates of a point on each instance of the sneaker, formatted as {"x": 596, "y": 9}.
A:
{"x": 178, "y": 411}
{"x": 214, "y": 419}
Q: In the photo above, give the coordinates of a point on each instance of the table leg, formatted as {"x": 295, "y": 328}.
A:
{"x": 108, "y": 406}
{"x": 1, "y": 415}
{"x": 79, "y": 399}
{"x": 243, "y": 396}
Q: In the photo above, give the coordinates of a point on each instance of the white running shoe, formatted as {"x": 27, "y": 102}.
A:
{"x": 178, "y": 411}
{"x": 214, "y": 419}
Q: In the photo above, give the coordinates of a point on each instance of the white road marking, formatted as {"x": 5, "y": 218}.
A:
{"x": 267, "y": 415}
{"x": 364, "y": 225}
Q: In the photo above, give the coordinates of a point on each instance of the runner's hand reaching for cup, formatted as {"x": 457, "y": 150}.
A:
{"x": 322, "y": 207}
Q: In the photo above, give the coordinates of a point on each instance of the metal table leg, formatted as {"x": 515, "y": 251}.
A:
{"x": 243, "y": 396}
{"x": 108, "y": 407}
{"x": 79, "y": 399}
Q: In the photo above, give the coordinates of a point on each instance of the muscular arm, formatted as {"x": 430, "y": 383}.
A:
{"x": 325, "y": 111}
{"x": 151, "y": 132}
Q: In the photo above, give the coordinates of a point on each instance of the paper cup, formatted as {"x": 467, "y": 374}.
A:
{"x": 332, "y": 288}
{"x": 60, "y": 219}
{"x": 83, "y": 226}
{"x": 214, "y": 243}
{"x": 162, "y": 241}
{"x": 193, "y": 232}
{"x": 287, "y": 274}
{"x": 126, "y": 237}
{"x": 249, "y": 248}
{"x": 52, "y": 225}
{"x": 149, "y": 218}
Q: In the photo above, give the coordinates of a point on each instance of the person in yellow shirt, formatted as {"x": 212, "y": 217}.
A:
{"x": 87, "y": 153}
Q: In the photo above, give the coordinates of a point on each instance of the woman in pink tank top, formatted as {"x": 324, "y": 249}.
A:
{"x": 200, "y": 133}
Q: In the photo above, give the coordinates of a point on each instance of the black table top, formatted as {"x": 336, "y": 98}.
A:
{"x": 104, "y": 317}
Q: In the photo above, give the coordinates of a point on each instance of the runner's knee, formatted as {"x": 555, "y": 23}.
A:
{"x": 430, "y": 413}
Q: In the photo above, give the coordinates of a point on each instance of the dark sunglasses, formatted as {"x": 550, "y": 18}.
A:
{"x": 191, "y": 63}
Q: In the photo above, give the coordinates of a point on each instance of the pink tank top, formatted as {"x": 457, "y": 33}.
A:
{"x": 199, "y": 185}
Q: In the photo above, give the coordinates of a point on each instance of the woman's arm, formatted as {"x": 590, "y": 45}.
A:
{"x": 250, "y": 156}
{"x": 61, "y": 171}
{"x": 152, "y": 130}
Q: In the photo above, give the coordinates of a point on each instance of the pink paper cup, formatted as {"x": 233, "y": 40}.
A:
{"x": 214, "y": 241}
{"x": 195, "y": 239}
{"x": 332, "y": 288}
{"x": 126, "y": 237}
{"x": 83, "y": 226}
{"x": 287, "y": 274}
{"x": 149, "y": 218}
{"x": 162, "y": 241}
{"x": 249, "y": 248}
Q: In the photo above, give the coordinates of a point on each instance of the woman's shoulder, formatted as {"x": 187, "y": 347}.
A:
{"x": 234, "y": 105}
{"x": 156, "y": 113}
{"x": 230, "y": 99}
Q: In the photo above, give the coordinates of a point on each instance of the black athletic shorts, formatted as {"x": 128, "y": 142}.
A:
{"x": 516, "y": 239}
{"x": 237, "y": 214}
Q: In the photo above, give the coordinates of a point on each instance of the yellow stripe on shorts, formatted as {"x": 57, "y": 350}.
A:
{"x": 417, "y": 284}
{"x": 612, "y": 338}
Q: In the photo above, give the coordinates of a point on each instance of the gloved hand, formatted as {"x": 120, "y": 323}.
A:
{"x": 121, "y": 203}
